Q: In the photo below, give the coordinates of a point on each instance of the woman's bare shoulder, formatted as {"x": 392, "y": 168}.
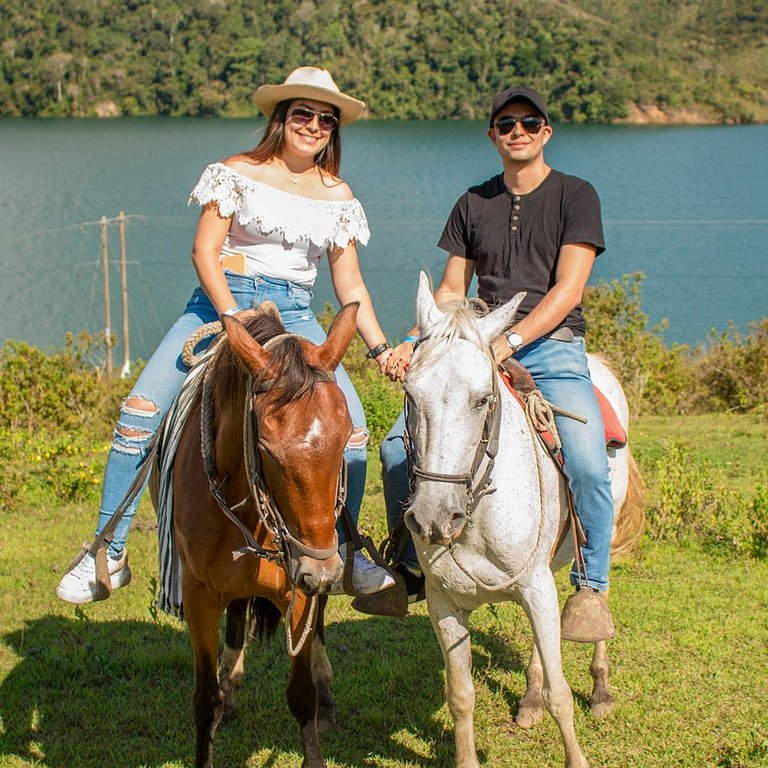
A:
{"x": 335, "y": 189}
{"x": 242, "y": 163}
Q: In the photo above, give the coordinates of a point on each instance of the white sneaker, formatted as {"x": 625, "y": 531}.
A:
{"x": 79, "y": 585}
{"x": 367, "y": 577}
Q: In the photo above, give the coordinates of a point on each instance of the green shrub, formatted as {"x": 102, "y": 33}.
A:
{"x": 62, "y": 389}
{"x": 687, "y": 500}
{"x": 691, "y": 502}
{"x": 757, "y": 513}
{"x": 69, "y": 468}
{"x": 656, "y": 378}
{"x": 732, "y": 370}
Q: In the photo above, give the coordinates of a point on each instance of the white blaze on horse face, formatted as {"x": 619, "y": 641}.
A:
{"x": 314, "y": 434}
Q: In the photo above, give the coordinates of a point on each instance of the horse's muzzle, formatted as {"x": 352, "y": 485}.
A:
{"x": 315, "y": 577}
{"x": 441, "y": 528}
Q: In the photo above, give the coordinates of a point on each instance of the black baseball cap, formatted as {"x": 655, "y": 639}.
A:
{"x": 518, "y": 93}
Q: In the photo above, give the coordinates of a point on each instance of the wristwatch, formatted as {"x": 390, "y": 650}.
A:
{"x": 376, "y": 351}
{"x": 515, "y": 341}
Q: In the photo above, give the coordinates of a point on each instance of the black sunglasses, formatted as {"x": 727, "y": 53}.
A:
{"x": 530, "y": 123}
{"x": 304, "y": 116}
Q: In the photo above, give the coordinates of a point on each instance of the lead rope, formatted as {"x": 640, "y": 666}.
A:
{"x": 294, "y": 650}
{"x": 270, "y": 520}
{"x": 540, "y": 415}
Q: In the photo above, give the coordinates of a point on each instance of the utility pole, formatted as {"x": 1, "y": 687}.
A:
{"x": 126, "y": 370}
{"x": 107, "y": 324}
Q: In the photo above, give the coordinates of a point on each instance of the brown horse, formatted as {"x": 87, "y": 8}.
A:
{"x": 284, "y": 386}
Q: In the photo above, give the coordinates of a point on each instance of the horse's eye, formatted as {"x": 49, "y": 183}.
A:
{"x": 483, "y": 401}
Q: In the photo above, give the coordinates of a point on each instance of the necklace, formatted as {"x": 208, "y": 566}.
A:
{"x": 294, "y": 176}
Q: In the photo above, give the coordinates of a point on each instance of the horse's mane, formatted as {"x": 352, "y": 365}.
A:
{"x": 288, "y": 363}
{"x": 458, "y": 321}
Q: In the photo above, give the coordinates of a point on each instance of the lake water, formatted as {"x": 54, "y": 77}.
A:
{"x": 687, "y": 206}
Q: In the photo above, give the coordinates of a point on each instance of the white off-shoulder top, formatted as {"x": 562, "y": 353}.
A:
{"x": 282, "y": 235}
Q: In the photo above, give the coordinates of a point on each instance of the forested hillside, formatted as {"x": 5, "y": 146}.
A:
{"x": 595, "y": 60}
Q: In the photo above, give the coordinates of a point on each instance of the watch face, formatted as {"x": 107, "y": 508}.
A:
{"x": 514, "y": 340}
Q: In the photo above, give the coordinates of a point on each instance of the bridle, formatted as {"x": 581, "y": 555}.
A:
{"x": 288, "y": 546}
{"x": 486, "y": 450}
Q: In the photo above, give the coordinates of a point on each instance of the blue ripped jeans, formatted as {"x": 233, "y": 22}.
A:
{"x": 161, "y": 380}
{"x": 561, "y": 373}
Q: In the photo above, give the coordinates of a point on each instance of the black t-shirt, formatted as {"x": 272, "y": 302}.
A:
{"x": 515, "y": 240}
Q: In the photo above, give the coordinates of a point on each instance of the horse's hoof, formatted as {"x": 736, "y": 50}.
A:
{"x": 602, "y": 707}
{"x": 528, "y": 717}
{"x": 326, "y": 718}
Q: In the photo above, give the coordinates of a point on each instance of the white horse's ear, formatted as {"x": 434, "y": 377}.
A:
{"x": 427, "y": 313}
{"x": 500, "y": 319}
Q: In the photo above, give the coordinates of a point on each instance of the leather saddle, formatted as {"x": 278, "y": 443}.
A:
{"x": 520, "y": 382}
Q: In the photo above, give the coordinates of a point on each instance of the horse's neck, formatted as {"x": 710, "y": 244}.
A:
{"x": 524, "y": 474}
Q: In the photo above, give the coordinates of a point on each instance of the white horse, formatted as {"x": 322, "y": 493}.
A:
{"x": 503, "y": 552}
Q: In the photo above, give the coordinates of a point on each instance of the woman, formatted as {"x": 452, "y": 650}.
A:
{"x": 268, "y": 215}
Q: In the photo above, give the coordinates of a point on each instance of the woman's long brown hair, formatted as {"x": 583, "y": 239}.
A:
{"x": 271, "y": 144}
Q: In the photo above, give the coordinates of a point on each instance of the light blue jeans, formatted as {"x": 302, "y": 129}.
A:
{"x": 561, "y": 373}
{"x": 161, "y": 380}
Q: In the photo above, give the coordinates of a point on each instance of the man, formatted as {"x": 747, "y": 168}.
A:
{"x": 533, "y": 229}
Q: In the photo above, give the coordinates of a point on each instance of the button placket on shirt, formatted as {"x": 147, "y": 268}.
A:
{"x": 515, "y": 212}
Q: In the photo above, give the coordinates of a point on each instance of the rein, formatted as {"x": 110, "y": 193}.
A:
{"x": 288, "y": 546}
{"x": 538, "y": 415}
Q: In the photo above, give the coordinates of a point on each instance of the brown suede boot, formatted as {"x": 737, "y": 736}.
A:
{"x": 586, "y": 617}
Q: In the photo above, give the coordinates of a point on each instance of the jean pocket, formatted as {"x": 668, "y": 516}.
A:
{"x": 299, "y": 296}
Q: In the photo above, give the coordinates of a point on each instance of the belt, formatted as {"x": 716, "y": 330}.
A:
{"x": 563, "y": 333}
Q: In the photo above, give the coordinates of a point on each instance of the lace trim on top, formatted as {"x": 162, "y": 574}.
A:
{"x": 295, "y": 218}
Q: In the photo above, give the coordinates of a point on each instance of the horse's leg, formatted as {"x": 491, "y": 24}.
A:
{"x": 601, "y": 702}
{"x": 530, "y": 709}
{"x": 540, "y": 603}
{"x": 232, "y": 662}
{"x": 322, "y": 672}
{"x": 301, "y": 692}
{"x": 452, "y": 630}
{"x": 202, "y": 614}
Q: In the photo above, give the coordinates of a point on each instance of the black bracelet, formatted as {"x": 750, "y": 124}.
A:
{"x": 376, "y": 351}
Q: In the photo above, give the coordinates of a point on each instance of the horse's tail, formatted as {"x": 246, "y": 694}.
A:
{"x": 264, "y": 616}
{"x": 630, "y": 522}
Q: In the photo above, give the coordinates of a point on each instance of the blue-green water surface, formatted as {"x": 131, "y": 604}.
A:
{"x": 687, "y": 206}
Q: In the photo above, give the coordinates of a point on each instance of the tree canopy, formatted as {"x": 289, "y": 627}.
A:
{"x": 594, "y": 60}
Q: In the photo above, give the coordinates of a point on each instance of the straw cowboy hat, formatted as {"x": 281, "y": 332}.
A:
{"x": 309, "y": 83}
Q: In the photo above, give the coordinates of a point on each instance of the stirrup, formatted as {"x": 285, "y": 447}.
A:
{"x": 586, "y": 618}
{"x": 103, "y": 579}
{"x": 392, "y": 601}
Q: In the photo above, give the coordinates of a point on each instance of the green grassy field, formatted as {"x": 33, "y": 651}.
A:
{"x": 110, "y": 684}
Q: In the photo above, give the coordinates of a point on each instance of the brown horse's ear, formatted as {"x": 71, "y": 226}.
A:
{"x": 339, "y": 337}
{"x": 254, "y": 356}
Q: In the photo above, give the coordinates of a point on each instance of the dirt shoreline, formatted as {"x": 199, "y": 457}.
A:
{"x": 638, "y": 114}
{"x": 653, "y": 115}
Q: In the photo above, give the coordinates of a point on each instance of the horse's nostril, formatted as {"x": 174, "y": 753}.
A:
{"x": 411, "y": 523}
